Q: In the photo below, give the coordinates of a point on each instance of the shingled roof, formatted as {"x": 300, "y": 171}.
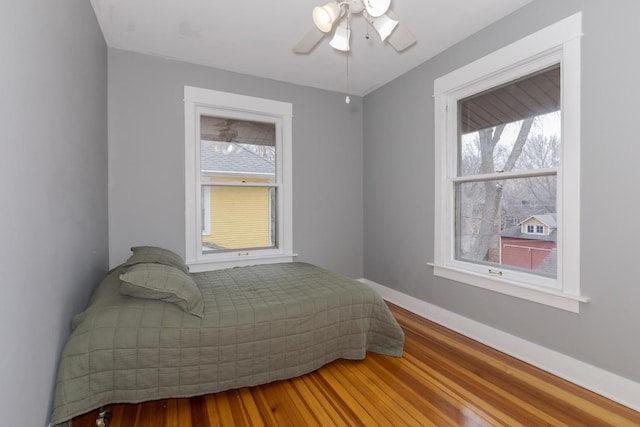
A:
{"x": 516, "y": 232}
{"x": 548, "y": 219}
{"x": 231, "y": 158}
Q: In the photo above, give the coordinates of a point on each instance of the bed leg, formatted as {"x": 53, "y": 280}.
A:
{"x": 104, "y": 418}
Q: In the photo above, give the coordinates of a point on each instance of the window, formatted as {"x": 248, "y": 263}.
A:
{"x": 507, "y": 166}
{"x": 239, "y": 184}
{"x": 238, "y": 180}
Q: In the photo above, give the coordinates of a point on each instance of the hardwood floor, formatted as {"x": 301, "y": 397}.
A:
{"x": 443, "y": 379}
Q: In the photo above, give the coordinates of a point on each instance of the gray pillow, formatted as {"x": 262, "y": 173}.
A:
{"x": 163, "y": 282}
{"x": 154, "y": 254}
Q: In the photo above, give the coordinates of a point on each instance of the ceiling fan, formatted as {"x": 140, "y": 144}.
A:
{"x": 336, "y": 15}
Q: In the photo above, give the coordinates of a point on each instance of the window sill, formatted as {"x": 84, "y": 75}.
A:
{"x": 236, "y": 260}
{"x": 550, "y": 297}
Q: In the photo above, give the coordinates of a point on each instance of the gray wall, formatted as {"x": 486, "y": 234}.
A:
{"x": 53, "y": 193}
{"x": 146, "y": 159}
{"x": 399, "y": 194}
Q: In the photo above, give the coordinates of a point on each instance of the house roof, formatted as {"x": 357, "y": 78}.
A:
{"x": 230, "y": 158}
{"x": 547, "y": 219}
{"x": 516, "y": 232}
{"x": 549, "y": 265}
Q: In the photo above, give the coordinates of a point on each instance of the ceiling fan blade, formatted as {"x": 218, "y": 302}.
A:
{"x": 401, "y": 38}
{"x": 309, "y": 41}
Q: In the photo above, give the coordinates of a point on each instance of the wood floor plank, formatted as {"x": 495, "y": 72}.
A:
{"x": 473, "y": 380}
{"x": 423, "y": 403}
{"x": 129, "y": 416}
{"x": 199, "y": 415}
{"x": 471, "y": 407}
{"x": 333, "y": 409}
{"x": 240, "y": 415}
{"x": 443, "y": 379}
{"x": 170, "y": 408}
{"x": 555, "y": 399}
{"x": 257, "y": 396}
{"x": 219, "y": 411}
{"x": 368, "y": 398}
{"x": 372, "y": 392}
{"x": 358, "y": 414}
{"x": 323, "y": 412}
{"x": 249, "y": 407}
{"x": 184, "y": 413}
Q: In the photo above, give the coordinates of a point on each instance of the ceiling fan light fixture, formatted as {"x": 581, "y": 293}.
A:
{"x": 376, "y": 8}
{"x": 377, "y": 13}
{"x": 384, "y": 25}
{"x": 325, "y": 16}
{"x": 340, "y": 40}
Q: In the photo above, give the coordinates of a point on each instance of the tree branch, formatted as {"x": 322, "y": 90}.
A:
{"x": 518, "y": 146}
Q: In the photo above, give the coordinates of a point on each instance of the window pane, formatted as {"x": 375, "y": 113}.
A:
{"x": 479, "y": 153}
{"x": 242, "y": 154}
{"x": 237, "y": 150}
{"x": 497, "y": 223}
{"x": 240, "y": 218}
{"x": 511, "y": 127}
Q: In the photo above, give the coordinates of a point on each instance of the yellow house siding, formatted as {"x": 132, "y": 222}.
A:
{"x": 534, "y": 222}
{"x": 239, "y": 217}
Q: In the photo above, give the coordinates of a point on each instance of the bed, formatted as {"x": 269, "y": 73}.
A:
{"x": 153, "y": 331}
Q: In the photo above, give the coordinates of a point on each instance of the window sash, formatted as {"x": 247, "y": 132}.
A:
{"x": 493, "y": 272}
{"x": 463, "y": 238}
{"x": 258, "y": 228}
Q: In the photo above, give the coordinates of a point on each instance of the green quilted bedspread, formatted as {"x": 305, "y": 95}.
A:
{"x": 261, "y": 324}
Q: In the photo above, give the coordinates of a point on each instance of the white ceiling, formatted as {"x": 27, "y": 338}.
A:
{"x": 256, "y": 36}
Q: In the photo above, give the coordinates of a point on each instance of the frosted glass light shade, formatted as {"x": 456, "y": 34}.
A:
{"x": 384, "y": 26}
{"x": 377, "y": 8}
{"x": 340, "y": 40}
{"x": 325, "y": 16}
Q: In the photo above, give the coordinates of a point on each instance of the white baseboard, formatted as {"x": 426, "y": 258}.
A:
{"x": 607, "y": 384}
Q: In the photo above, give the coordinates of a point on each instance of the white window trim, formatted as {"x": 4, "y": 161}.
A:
{"x": 557, "y": 43}
{"x": 198, "y": 101}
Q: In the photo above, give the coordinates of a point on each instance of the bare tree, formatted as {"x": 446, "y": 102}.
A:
{"x": 489, "y": 225}
{"x": 541, "y": 152}
{"x": 267, "y": 152}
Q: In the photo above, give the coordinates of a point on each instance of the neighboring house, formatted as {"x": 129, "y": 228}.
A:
{"x": 229, "y": 208}
{"x": 531, "y": 244}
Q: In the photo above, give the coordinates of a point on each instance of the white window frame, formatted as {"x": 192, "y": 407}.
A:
{"x": 198, "y": 102}
{"x": 557, "y": 43}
